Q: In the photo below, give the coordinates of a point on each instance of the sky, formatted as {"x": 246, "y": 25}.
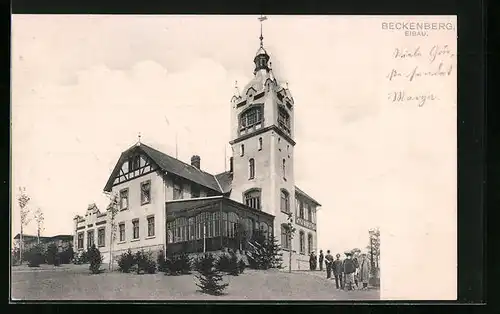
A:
{"x": 83, "y": 87}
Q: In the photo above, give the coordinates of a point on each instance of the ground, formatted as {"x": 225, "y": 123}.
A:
{"x": 74, "y": 282}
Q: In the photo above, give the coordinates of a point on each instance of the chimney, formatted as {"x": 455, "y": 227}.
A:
{"x": 195, "y": 161}
{"x": 231, "y": 164}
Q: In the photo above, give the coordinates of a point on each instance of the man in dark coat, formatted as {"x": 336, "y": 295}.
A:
{"x": 328, "y": 264}
{"x": 312, "y": 261}
{"x": 337, "y": 272}
{"x": 321, "y": 258}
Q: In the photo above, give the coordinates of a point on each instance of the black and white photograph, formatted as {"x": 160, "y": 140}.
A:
{"x": 233, "y": 157}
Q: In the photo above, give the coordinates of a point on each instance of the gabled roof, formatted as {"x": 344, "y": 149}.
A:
{"x": 168, "y": 164}
{"x": 225, "y": 179}
{"x": 28, "y": 237}
{"x": 299, "y": 191}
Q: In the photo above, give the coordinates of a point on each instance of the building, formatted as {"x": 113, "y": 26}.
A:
{"x": 171, "y": 205}
{"x": 62, "y": 241}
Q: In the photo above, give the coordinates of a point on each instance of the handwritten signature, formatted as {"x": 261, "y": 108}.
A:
{"x": 435, "y": 52}
{"x": 421, "y": 99}
{"x": 416, "y": 72}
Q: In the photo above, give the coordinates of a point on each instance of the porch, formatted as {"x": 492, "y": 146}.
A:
{"x": 212, "y": 224}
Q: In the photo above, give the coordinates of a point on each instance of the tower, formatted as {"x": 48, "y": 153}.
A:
{"x": 262, "y": 132}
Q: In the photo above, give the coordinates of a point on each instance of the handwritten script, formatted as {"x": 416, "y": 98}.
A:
{"x": 417, "y": 65}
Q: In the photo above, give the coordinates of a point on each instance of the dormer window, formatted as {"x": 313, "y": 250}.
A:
{"x": 284, "y": 119}
{"x": 251, "y": 119}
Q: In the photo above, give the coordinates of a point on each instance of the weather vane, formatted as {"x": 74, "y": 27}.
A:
{"x": 261, "y": 19}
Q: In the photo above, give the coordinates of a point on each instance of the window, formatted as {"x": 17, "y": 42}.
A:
{"x": 90, "y": 238}
{"x": 302, "y": 239}
{"x": 195, "y": 190}
{"x": 284, "y": 168}
{"x": 284, "y": 119}
{"x": 177, "y": 191}
{"x": 251, "y": 118}
{"x": 230, "y": 221}
{"x": 285, "y": 201}
{"x": 260, "y": 143}
{"x": 191, "y": 228}
{"x": 264, "y": 229}
{"x": 309, "y": 212}
{"x": 301, "y": 209}
{"x": 178, "y": 230}
{"x": 251, "y": 168}
{"x": 252, "y": 199}
{"x": 242, "y": 150}
{"x": 151, "y": 226}
{"x": 285, "y": 237}
{"x": 101, "y": 236}
{"x": 309, "y": 243}
{"x": 134, "y": 163}
{"x": 80, "y": 240}
{"x": 145, "y": 192}
{"x": 123, "y": 199}
{"x": 121, "y": 228}
{"x": 248, "y": 225}
{"x": 135, "y": 228}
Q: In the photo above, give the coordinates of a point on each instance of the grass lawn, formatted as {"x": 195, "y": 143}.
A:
{"x": 74, "y": 282}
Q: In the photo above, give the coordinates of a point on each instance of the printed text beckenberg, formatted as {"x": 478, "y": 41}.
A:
{"x": 417, "y": 26}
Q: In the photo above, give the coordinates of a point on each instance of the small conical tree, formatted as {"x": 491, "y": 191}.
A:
{"x": 209, "y": 278}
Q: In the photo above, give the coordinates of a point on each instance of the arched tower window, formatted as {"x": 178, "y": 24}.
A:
{"x": 252, "y": 199}
{"x": 285, "y": 201}
{"x": 251, "y": 168}
{"x": 284, "y": 120}
{"x": 251, "y": 119}
{"x": 285, "y": 237}
{"x": 302, "y": 239}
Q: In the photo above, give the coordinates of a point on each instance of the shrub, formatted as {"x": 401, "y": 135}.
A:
{"x": 82, "y": 257}
{"x": 228, "y": 263}
{"x": 67, "y": 255}
{"x": 161, "y": 262}
{"x": 35, "y": 256}
{"x": 14, "y": 257}
{"x": 51, "y": 254}
{"x": 126, "y": 261}
{"x": 241, "y": 266}
{"x": 179, "y": 264}
{"x": 95, "y": 259}
{"x": 209, "y": 278}
{"x": 145, "y": 262}
{"x": 264, "y": 253}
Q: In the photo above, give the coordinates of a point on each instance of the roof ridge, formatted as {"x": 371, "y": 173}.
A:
{"x": 185, "y": 163}
{"x": 218, "y": 183}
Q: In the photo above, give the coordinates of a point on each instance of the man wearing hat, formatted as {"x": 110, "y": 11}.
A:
{"x": 349, "y": 270}
{"x": 338, "y": 272}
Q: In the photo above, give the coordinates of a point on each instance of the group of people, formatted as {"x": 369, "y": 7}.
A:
{"x": 351, "y": 273}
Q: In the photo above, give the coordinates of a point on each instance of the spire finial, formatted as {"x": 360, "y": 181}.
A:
{"x": 236, "y": 90}
{"x": 139, "y": 138}
{"x": 261, "y": 19}
{"x": 286, "y": 84}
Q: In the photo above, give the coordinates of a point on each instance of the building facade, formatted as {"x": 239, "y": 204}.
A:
{"x": 61, "y": 241}
{"x": 166, "y": 204}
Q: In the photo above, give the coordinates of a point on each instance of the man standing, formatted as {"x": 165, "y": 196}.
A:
{"x": 337, "y": 272}
{"x": 321, "y": 257}
{"x": 364, "y": 271}
{"x": 312, "y": 261}
{"x": 328, "y": 264}
{"x": 349, "y": 270}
